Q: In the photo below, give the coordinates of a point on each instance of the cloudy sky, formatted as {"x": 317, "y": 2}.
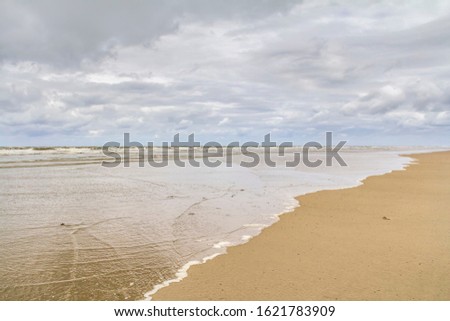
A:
{"x": 85, "y": 72}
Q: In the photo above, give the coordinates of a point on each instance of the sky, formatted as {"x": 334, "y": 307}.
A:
{"x": 85, "y": 72}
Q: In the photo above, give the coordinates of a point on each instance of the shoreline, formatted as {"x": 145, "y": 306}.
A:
{"x": 183, "y": 271}
{"x": 225, "y": 211}
{"x": 230, "y": 277}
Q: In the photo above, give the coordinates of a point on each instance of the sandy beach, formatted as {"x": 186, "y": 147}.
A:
{"x": 76, "y": 231}
{"x": 387, "y": 239}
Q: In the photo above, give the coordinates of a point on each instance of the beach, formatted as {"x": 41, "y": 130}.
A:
{"x": 75, "y": 230}
{"x": 71, "y": 229}
{"x": 387, "y": 239}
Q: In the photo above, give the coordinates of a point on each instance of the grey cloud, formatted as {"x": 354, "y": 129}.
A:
{"x": 419, "y": 104}
{"x": 228, "y": 69}
{"x": 65, "y": 32}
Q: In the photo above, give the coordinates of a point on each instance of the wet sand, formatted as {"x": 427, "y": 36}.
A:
{"x": 388, "y": 239}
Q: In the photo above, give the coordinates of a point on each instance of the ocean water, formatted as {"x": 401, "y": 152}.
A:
{"x": 71, "y": 229}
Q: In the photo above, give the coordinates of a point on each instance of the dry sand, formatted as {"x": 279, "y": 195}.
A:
{"x": 388, "y": 239}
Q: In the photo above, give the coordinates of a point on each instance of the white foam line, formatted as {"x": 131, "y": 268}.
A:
{"x": 220, "y": 245}
{"x": 245, "y": 238}
{"x": 180, "y": 275}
